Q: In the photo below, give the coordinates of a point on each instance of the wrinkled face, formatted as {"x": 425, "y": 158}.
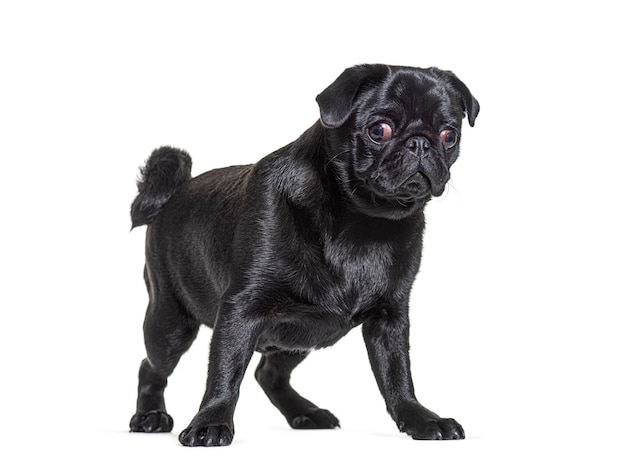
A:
{"x": 395, "y": 150}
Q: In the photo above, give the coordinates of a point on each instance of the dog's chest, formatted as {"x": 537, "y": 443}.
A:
{"x": 335, "y": 282}
{"x": 356, "y": 274}
{"x": 351, "y": 266}
{"x": 360, "y": 264}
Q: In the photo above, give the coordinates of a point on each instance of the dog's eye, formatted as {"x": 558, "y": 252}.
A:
{"x": 380, "y": 132}
{"x": 448, "y": 138}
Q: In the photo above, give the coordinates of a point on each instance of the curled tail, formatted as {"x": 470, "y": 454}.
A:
{"x": 164, "y": 172}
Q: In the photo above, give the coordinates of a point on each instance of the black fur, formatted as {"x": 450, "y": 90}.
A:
{"x": 164, "y": 172}
{"x": 289, "y": 254}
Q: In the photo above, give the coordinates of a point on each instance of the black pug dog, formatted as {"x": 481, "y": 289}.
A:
{"x": 289, "y": 254}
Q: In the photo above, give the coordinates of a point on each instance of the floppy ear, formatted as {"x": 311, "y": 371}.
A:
{"x": 470, "y": 104}
{"x": 337, "y": 100}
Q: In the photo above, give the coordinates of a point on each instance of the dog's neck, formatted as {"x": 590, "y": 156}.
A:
{"x": 309, "y": 175}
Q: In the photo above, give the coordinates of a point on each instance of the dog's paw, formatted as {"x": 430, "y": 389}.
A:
{"x": 152, "y": 422}
{"x": 317, "y": 419}
{"x": 206, "y": 436}
{"x": 433, "y": 429}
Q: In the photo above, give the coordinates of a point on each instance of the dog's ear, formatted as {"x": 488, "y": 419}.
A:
{"x": 470, "y": 104}
{"x": 337, "y": 101}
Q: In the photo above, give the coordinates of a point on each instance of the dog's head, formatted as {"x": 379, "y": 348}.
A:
{"x": 392, "y": 134}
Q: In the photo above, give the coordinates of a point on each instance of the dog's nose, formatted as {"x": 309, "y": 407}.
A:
{"x": 418, "y": 145}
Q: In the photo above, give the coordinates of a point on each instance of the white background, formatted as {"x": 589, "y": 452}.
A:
{"x": 516, "y": 315}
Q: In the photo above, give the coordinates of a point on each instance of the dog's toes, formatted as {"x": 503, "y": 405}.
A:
{"x": 451, "y": 429}
{"x": 436, "y": 429}
{"x": 318, "y": 419}
{"x": 152, "y": 422}
{"x": 209, "y": 436}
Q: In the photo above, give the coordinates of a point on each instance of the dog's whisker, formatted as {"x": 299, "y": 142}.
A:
{"x": 335, "y": 157}
{"x": 447, "y": 189}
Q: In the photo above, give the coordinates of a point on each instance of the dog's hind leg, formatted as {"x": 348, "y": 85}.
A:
{"x": 168, "y": 332}
{"x": 273, "y": 374}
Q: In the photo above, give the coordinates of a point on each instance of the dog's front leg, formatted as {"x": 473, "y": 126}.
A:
{"x": 232, "y": 345}
{"x": 387, "y": 340}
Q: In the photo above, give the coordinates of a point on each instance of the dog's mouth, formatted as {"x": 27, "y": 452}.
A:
{"x": 375, "y": 199}
{"x": 415, "y": 188}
